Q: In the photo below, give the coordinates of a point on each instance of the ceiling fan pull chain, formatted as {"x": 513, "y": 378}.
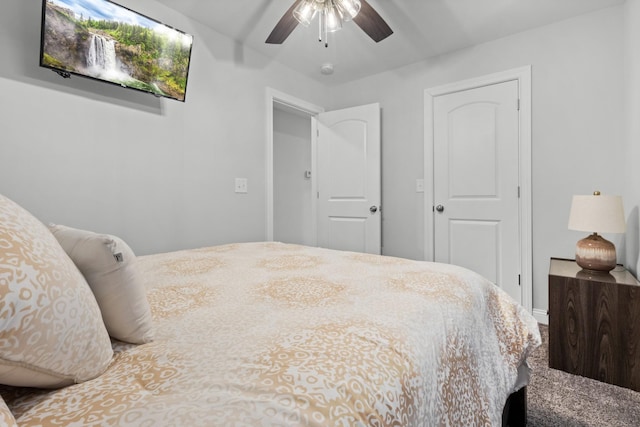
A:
{"x": 325, "y": 16}
{"x": 323, "y": 27}
{"x": 326, "y": 36}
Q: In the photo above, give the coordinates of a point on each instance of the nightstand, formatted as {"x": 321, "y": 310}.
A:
{"x": 594, "y": 323}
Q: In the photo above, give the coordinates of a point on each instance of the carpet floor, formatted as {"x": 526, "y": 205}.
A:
{"x": 556, "y": 398}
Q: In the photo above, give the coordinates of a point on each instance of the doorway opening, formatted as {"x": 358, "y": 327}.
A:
{"x": 287, "y": 118}
{"x": 292, "y": 196}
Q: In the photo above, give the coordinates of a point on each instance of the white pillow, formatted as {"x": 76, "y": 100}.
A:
{"x": 110, "y": 267}
{"x": 51, "y": 331}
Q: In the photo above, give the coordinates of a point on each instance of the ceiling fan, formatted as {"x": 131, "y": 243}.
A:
{"x": 332, "y": 13}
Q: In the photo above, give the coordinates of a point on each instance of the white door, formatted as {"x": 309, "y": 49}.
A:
{"x": 476, "y": 182}
{"x": 348, "y": 179}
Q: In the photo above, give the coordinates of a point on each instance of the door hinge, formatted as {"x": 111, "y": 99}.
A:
{"x": 318, "y": 195}
{"x": 519, "y": 284}
{"x": 318, "y": 133}
{"x": 518, "y": 105}
{"x": 518, "y": 191}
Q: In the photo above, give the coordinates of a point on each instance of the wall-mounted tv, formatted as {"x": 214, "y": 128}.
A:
{"x": 102, "y": 40}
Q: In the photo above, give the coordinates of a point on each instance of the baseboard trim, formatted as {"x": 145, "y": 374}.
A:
{"x": 541, "y": 316}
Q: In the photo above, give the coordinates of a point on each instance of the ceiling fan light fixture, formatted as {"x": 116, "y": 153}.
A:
{"x": 348, "y": 8}
{"x": 332, "y": 17}
{"x": 305, "y": 12}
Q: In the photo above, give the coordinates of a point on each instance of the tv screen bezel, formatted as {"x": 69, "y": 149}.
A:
{"x": 68, "y": 73}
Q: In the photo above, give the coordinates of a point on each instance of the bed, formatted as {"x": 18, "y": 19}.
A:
{"x": 251, "y": 334}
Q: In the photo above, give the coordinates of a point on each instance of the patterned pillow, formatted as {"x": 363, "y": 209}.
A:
{"x": 109, "y": 267}
{"x": 51, "y": 330}
{"x": 6, "y": 417}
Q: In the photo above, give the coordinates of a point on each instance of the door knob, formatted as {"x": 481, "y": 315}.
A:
{"x": 373, "y": 209}
{"x": 439, "y": 208}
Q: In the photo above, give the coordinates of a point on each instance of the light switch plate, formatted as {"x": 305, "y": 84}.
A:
{"x": 241, "y": 185}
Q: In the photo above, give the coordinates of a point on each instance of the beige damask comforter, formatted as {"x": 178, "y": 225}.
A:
{"x": 269, "y": 334}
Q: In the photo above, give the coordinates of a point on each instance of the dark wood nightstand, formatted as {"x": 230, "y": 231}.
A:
{"x": 594, "y": 323}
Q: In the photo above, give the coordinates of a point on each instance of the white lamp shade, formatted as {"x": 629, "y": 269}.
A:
{"x": 597, "y": 214}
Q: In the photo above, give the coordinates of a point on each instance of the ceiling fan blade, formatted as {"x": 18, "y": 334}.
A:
{"x": 284, "y": 27}
{"x": 372, "y": 23}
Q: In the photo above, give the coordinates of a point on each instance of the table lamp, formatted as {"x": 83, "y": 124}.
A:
{"x": 596, "y": 214}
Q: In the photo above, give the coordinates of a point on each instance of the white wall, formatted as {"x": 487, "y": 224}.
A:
{"x": 157, "y": 172}
{"x": 577, "y": 70}
{"x": 631, "y": 152}
{"x": 292, "y": 219}
{"x": 161, "y": 173}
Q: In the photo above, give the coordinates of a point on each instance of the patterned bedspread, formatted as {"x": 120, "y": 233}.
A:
{"x": 270, "y": 334}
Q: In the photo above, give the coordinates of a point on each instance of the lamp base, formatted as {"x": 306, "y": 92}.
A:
{"x": 596, "y": 253}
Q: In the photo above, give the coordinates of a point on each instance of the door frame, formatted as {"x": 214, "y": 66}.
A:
{"x": 523, "y": 76}
{"x": 276, "y": 97}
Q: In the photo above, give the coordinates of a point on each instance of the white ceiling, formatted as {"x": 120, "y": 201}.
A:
{"x": 422, "y": 29}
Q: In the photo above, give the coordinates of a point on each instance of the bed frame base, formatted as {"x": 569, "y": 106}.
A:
{"x": 515, "y": 410}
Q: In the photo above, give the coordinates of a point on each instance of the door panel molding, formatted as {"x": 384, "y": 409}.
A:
{"x": 523, "y": 76}
{"x": 488, "y": 232}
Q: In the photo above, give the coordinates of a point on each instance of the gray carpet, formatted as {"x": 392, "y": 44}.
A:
{"x": 556, "y": 398}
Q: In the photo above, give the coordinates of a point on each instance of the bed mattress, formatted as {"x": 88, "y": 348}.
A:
{"x": 272, "y": 334}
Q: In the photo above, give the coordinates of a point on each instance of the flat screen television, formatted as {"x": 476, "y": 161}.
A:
{"x": 102, "y": 40}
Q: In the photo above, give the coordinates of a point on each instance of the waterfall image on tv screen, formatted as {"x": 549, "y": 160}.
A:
{"x": 103, "y": 40}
